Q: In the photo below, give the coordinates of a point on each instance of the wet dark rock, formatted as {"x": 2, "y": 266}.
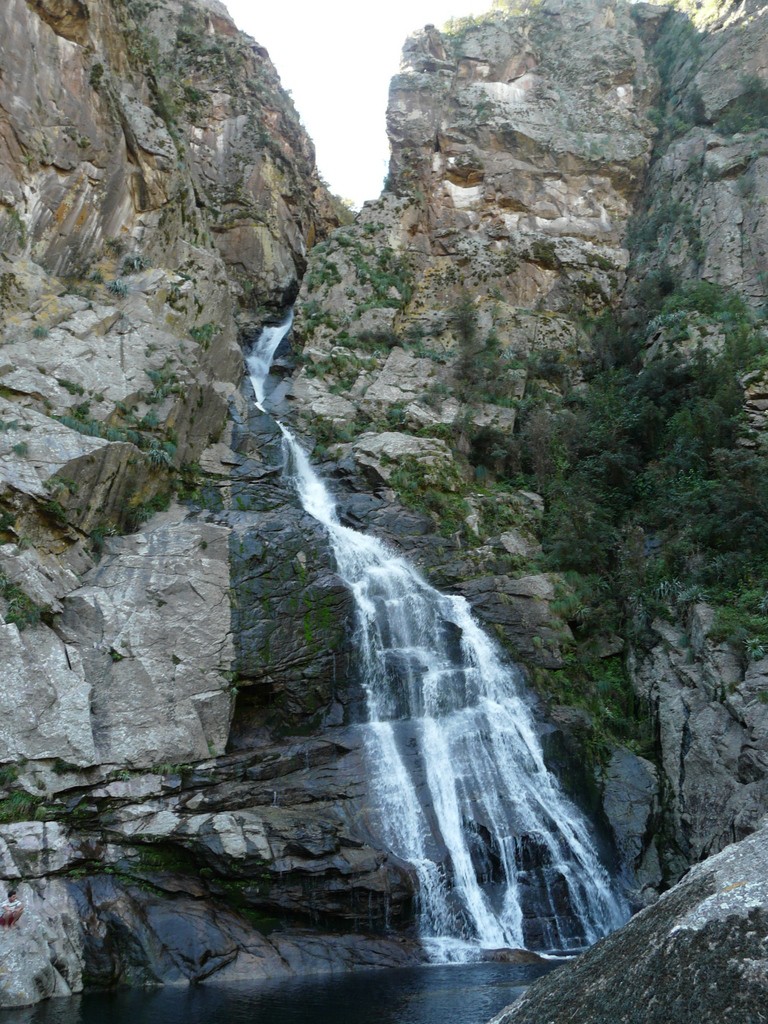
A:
{"x": 631, "y": 801}
{"x": 292, "y": 620}
{"x": 132, "y": 937}
{"x": 514, "y": 956}
{"x": 521, "y": 607}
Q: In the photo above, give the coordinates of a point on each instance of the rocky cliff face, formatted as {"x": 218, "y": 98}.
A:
{"x": 514, "y": 172}
{"x": 183, "y": 782}
{"x": 126, "y": 188}
{"x": 702, "y": 671}
{"x": 561, "y": 184}
{"x": 158, "y": 196}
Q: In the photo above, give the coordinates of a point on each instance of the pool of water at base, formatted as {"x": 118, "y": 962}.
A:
{"x": 459, "y": 994}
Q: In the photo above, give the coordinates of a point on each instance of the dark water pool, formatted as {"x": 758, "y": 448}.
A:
{"x": 468, "y": 994}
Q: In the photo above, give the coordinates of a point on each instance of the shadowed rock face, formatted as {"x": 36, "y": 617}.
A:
{"x": 292, "y": 633}
{"x": 708, "y": 187}
{"x": 97, "y": 118}
{"x": 68, "y": 18}
{"x": 119, "y": 934}
{"x": 697, "y": 956}
{"x": 713, "y": 737}
{"x": 249, "y": 859}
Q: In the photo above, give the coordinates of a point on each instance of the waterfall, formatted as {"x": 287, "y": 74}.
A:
{"x": 261, "y": 355}
{"x": 503, "y": 859}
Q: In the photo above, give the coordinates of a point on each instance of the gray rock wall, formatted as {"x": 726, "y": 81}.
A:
{"x": 712, "y": 721}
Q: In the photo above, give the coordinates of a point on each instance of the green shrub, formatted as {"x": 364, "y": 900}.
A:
{"x": 118, "y": 287}
{"x": 96, "y": 75}
{"x": 20, "y": 608}
{"x": 545, "y": 254}
{"x": 204, "y": 334}
{"x": 19, "y": 806}
{"x": 748, "y": 112}
{"x": 158, "y": 455}
{"x": 133, "y": 263}
{"x": 651, "y": 450}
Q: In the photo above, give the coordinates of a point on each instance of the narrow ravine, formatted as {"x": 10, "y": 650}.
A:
{"x": 502, "y": 857}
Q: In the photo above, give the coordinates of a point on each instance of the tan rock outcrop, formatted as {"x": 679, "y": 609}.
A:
{"x": 516, "y": 163}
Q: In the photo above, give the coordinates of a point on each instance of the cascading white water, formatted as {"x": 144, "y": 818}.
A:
{"x": 502, "y": 857}
{"x": 261, "y": 355}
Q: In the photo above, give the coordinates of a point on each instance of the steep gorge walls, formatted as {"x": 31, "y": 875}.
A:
{"x": 157, "y": 196}
{"x": 511, "y": 344}
{"x": 143, "y": 145}
{"x": 181, "y": 778}
{"x": 439, "y": 331}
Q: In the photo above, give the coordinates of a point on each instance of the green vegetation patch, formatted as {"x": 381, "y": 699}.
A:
{"x": 644, "y": 479}
{"x": 20, "y": 608}
{"x": 21, "y": 806}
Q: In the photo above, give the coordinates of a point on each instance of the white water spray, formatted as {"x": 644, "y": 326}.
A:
{"x": 502, "y": 857}
{"x": 261, "y": 355}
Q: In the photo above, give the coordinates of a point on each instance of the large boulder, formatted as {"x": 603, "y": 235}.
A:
{"x": 697, "y": 956}
{"x": 45, "y": 700}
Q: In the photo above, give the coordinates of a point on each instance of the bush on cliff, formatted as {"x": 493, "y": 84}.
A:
{"x": 644, "y": 474}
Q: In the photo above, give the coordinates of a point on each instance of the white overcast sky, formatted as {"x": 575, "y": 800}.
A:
{"x": 337, "y": 57}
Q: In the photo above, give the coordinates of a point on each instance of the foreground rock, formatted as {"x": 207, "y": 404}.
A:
{"x": 698, "y": 956}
